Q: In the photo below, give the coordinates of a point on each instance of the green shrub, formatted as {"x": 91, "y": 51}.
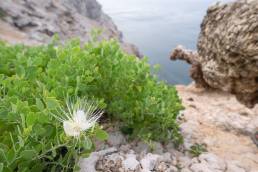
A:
{"x": 197, "y": 149}
{"x": 34, "y": 80}
{"x": 2, "y": 13}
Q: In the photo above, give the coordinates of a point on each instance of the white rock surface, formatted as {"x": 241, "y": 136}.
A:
{"x": 200, "y": 167}
{"x": 172, "y": 169}
{"x": 231, "y": 167}
{"x": 223, "y": 124}
{"x": 130, "y": 162}
{"x": 166, "y": 157}
{"x": 213, "y": 161}
{"x": 185, "y": 170}
{"x": 149, "y": 161}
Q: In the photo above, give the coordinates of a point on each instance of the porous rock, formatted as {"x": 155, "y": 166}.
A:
{"x": 227, "y": 56}
{"x": 88, "y": 164}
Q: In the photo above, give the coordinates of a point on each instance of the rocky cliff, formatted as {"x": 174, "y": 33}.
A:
{"x": 227, "y": 57}
{"x": 36, "y": 21}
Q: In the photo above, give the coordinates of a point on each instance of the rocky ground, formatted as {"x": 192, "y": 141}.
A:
{"x": 212, "y": 118}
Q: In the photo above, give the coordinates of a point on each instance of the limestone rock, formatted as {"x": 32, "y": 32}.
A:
{"x": 166, "y": 157}
{"x": 224, "y": 125}
{"x": 185, "y": 170}
{"x": 88, "y": 8}
{"x": 112, "y": 162}
{"x": 116, "y": 138}
{"x": 88, "y": 164}
{"x": 149, "y": 161}
{"x": 213, "y": 161}
{"x": 36, "y": 21}
{"x": 161, "y": 167}
{"x": 125, "y": 148}
{"x": 201, "y": 167}
{"x": 184, "y": 161}
{"x": 131, "y": 163}
{"x": 172, "y": 169}
{"x": 227, "y": 57}
{"x": 231, "y": 167}
{"x": 142, "y": 147}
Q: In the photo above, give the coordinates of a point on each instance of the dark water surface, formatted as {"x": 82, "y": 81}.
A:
{"x": 158, "y": 26}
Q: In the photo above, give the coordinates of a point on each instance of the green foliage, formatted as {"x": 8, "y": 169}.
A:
{"x": 197, "y": 149}
{"x": 2, "y": 15}
{"x": 35, "y": 80}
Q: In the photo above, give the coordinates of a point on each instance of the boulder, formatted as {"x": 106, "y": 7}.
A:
{"x": 227, "y": 54}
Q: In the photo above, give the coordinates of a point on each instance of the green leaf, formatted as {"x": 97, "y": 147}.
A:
{"x": 37, "y": 168}
{"x": 127, "y": 130}
{"x": 31, "y": 119}
{"x": 53, "y": 169}
{"x": 2, "y": 155}
{"x": 77, "y": 168}
{"x": 20, "y": 71}
{"x": 39, "y": 130}
{"x": 39, "y": 104}
{"x": 14, "y": 108}
{"x": 87, "y": 143}
{"x": 10, "y": 156}
{"x": 21, "y": 142}
{"x": 49, "y": 130}
{"x": 28, "y": 154}
{"x": 23, "y": 166}
{"x": 42, "y": 117}
{"x": 3, "y": 146}
{"x": 1, "y": 167}
{"x": 101, "y": 134}
{"x": 52, "y": 103}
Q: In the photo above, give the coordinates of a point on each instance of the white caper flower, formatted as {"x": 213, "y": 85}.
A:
{"x": 79, "y": 116}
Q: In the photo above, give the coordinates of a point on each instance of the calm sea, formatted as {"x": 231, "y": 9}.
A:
{"x": 158, "y": 26}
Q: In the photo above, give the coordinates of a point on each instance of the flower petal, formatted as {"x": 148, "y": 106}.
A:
{"x": 70, "y": 129}
{"x": 85, "y": 126}
{"x": 79, "y": 117}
